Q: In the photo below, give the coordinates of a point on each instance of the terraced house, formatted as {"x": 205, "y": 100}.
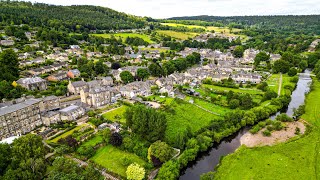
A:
{"x": 20, "y": 118}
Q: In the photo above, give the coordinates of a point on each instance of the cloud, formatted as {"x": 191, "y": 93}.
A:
{"x": 173, "y": 8}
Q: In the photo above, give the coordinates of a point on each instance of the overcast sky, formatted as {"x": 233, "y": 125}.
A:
{"x": 173, "y": 8}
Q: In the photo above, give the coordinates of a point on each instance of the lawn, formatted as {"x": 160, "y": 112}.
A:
{"x": 116, "y": 114}
{"x": 224, "y": 30}
{"x": 110, "y": 158}
{"x": 125, "y": 35}
{"x": 295, "y": 159}
{"x": 240, "y": 90}
{"x": 70, "y": 132}
{"x": 211, "y": 107}
{"x": 273, "y": 82}
{"x": 178, "y": 35}
{"x": 94, "y": 141}
{"x": 185, "y": 115}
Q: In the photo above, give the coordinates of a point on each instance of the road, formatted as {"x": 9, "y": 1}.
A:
{"x": 280, "y": 85}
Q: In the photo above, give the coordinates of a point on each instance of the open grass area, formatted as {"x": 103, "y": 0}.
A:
{"x": 240, "y": 90}
{"x": 125, "y": 35}
{"x": 295, "y": 159}
{"x": 224, "y": 30}
{"x": 178, "y": 35}
{"x": 273, "y": 82}
{"x": 70, "y": 132}
{"x": 110, "y": 158}
{"x": 116, "y": 114}
{"x": 185, "y": 115}
{"x": 210, "y": 106}
{"x": 94, "y": 141}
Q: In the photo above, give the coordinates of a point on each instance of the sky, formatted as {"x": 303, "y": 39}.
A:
{"x": 175, "y": 8}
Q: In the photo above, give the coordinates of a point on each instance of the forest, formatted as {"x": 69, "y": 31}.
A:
{"x": 66, "y": 18}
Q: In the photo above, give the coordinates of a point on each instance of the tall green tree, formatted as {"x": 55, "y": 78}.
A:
{"x": 9, "y": 66}
{"x": 126, "y": 77}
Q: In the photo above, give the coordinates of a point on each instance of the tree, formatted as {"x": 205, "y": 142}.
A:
{"x": 143, "y": 73}
{"x": 101, "y": 68}
{"x": 9, "y": 66}
{"x": 115, "y": 139}
{"x": 238, "y": 52}
{"x": 126, "y": 77}
{"x": 63, "y": 168}
{"x": 261, "y": 56}
{"x": 263, "y": 86}
{"x": 246, "y": 101}
{"x": 169, "y": 170}
{"x": 292, "y": 71}
{"x": 5, "y": 157}
{"x": 28, "y": 161}
{"x": 106, "y": 134}
{"x": 234, "y": 103}
{"x": 135, "y": 172}
{"x": 148, "y": 123}
{"x": 269, "y": 95}
{"x": 161, "y": 151}
{"x": 115, "y": 65}
{"x": 155, "y": 70}
{"x": 281, "y": 66}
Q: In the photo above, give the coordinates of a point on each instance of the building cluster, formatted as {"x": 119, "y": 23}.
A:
{"x": 206, "y": 36}
{"x": 24, "y": 115}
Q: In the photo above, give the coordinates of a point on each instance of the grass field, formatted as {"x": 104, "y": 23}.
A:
{"x": 178, "y": 35}
{"x": 116, "y": 114}
{"x": 184, "y": 115}
{"x": 211, "y": 107}
{"x": 224, "y": 30}
{"x": 94, "y": 141}
{"x": 110, "y": 158}
{"x": 125, "y": 35}
{"x": 55, "y": 140}
{"x": 273, "y": 83}
{"x": 240, "y": 90}
{"x": 295, "y": 159}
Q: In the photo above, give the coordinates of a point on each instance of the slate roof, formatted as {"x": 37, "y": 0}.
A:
{"x": 15, "y": 107}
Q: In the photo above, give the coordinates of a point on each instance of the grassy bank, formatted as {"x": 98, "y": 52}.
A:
{"x": 295, "y": 159}
{"x": 125, "y": 35}
{"x": 111, "y": 157}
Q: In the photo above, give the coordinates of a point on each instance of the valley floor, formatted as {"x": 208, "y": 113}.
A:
{"x": 296, "y": 159}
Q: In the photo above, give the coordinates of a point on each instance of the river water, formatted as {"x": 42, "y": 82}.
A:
{"x": 207, "y": 161}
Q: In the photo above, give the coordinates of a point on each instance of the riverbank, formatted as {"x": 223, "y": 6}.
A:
{"x": 258, "y": 139}
{"x": 296, "y": 159}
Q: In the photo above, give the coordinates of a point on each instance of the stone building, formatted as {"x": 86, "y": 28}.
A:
{"x": 35, "y": 83}
{"x": 49, "y": 103}
{"x": 50, "y": 117}
{"x": 71, "y": 113}
{"x": 20, "y": 118}
{"x": 97, "y": 97}
{"x": 76, "y": 87}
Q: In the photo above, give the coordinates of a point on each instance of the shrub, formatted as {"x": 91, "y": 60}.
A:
{"x": 266, "y": 133}
{"x": 115, "y": 139}
{"x": 297, "y": 131}
{"x": 125, "y": 161}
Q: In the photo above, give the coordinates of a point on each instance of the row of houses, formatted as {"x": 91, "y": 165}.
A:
{"x": 26, "y": 114}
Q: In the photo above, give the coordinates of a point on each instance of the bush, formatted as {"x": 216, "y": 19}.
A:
{"x": 255, "y": 129}
{"x": 270, "y": 128}
{"x": 297, "y": 131}
{"x": 125, "y": 161}
{"x": 266, "y": 133}
{"x": 115, "y": 139}
{"x": 284, "y": 118}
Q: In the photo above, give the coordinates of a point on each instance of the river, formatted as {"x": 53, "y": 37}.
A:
{"x": 207, "y": 161}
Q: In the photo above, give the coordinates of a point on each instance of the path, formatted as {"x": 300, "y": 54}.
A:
{"x": 207, "y": 110}
{"x": 103, "y": 112}
{"x": 82, "y": 163}
{"x": 50, "y": 147}
{"x": 280, "y": 85}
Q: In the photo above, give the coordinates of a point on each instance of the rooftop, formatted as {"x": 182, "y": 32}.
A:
{"x": 16, "y": 107}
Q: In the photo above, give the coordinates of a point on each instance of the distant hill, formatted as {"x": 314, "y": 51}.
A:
{"x": 294, "y": 23}
{"x": 70, "y": 17}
